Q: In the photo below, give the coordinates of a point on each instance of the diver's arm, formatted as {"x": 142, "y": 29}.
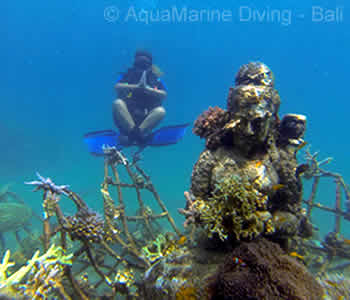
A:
{"x": 160, "y": 94}
{"x": 125, "y": 86}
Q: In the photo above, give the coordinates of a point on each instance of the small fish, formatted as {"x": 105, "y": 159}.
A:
{"x": 346, "y": 241}
{"x": 238, "y": 261}
{"x": 277, "y": 187}
{"x": 129, "y": 95}
{"x": 296, "y": 255}
{"x": 331, "y": 283}
{"x": 182, "y": 240}
{"x": 84, "y": 277}
{"x": 302, "y": 145}
{"x": 258, "y": 164}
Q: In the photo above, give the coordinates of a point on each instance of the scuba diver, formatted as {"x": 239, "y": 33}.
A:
{"x": 138, "y": 108}
{"x": 137, "y": 111}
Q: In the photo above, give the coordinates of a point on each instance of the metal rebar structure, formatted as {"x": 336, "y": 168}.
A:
{"x": 334, "y": 244}
{"x": 107, "y": 244}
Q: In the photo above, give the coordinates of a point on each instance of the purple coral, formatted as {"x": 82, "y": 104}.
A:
{"x": 210, "y": 125}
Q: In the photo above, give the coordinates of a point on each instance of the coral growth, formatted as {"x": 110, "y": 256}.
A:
{"x": 187, "y": 292}
{"x": 169, "y": 275}
{"x": 210, "y": 125}
{"x": 162, "y": 246}
{"x": 85, "y": 225}
{"x": 255, "y": 73}
{"x": 261, "y": 270}
{"x": 40, "y": 277}
{"x": 258, "y": 154}
{"x": 235, "y": 208}
{"x": 335, "y": 286}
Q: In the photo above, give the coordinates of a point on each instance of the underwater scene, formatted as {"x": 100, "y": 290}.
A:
{"x": 175, "y": 150}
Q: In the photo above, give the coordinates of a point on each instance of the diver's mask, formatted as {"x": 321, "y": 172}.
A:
{"x": 143, "y": 60}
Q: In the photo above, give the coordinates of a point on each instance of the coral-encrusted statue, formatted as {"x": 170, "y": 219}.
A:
{"x": 245, "y": 182}
{"x": 245, "y": 196}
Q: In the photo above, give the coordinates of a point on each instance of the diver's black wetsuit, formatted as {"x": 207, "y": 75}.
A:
{"x": 138, "y": 102}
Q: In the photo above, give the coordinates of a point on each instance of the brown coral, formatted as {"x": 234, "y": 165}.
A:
{"x": 210, "y": 125}
{"x": 261, "y": 270}
{"x": 86, "y": 225}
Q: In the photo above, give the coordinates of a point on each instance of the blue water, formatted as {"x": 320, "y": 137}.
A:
{"x": 60, "y": 61}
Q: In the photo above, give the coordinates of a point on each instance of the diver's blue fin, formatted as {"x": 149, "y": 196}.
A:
{"x": 167, "y": 135}
{"x": 97, "y": 139}
{"x": 162, "y": 137}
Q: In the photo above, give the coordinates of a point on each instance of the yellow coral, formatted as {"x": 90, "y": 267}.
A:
{"x": 125, "y": 277}
{"x": 4, "y": 266}
{"x": 235, "y": 207}
{"x": 153, "y": 251}
{"x": 187, "y": 292}
{"x": 162, "y": 246}
{"x": 39, "y": 276}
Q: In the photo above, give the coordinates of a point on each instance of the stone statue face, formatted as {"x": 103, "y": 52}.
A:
{"x": 254, "y": 108}
{"x": 252, "y": 130}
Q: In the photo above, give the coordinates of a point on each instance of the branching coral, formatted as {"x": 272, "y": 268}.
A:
{"x": 154, "y": 250}
{"x": 162, "y": 246}
{"x": 170, "y": 272}
{"x": 335, "y": 286}
{"x": 235, "y": 207}
{"x": 210, "y": 125}
{"x": 40, "y": 277}
{"x": 191, "y": 211}
{"x": 124, "y": 281}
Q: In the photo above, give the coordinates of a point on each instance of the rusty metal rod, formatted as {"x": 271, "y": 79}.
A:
{"x": 93, "y": 262}
{"x": 338, "y": 197}
{"x": 139, "y": 199}
{"x": 312, "y": 196}
{"x": 152, "y": 189}
{"x": 137, "y": 218}
{"x": 122, "y": 209}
